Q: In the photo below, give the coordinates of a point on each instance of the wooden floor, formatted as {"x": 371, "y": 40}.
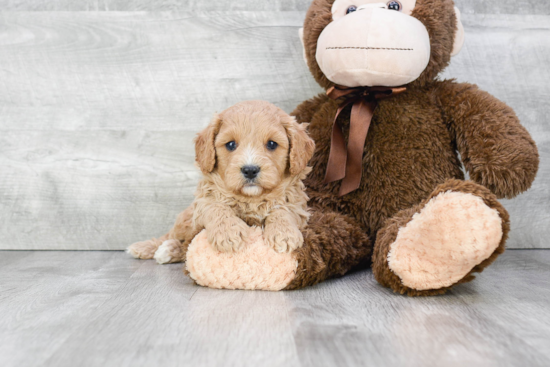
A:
{"x": 105, "y": 309}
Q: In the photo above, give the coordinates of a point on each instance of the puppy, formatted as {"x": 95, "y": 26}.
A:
{"x": 253, "y": 157}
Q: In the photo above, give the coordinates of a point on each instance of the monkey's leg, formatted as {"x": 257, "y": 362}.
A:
{"x": 425, "y": 250}
{"x": 333, "y": 245}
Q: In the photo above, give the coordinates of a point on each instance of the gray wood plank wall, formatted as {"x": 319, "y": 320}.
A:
{"x": 466, "y": 6}
{"x": 100, "y": 100}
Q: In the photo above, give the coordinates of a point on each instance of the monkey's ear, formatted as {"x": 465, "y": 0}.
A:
{"x": 301, "y": 34}
{"x": 205, "y": 150}
{"x": 459, "y": 35}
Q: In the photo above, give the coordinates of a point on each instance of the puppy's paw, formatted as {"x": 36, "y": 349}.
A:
{"x": 144, "y": 250}
{"x": 169, "y": 252}
{"x": 283, "y": 238}
{"x": 229, "y": 236}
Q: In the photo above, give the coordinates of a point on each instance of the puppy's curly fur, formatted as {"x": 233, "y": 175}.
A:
{"x": 275, "y": 149}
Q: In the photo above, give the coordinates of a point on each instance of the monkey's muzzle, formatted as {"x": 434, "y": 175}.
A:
{"x": 374, "y": 47}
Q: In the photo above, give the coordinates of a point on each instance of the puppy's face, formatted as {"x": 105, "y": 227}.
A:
{"x": 252, "y": 153}
{"x": 254, "y": 147}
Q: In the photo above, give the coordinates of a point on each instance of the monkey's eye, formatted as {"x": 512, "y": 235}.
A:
{"x": 271, "y": 145}
{"x": 351, "y": 9}
{"x": 394, "y": 5}
{"x": 231, "y": 146}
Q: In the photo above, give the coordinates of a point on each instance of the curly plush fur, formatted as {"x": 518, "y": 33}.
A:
{"x": 255, "y": 266}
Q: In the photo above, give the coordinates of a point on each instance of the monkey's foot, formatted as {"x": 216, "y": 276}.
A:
{"x": 254, "y": 267}
{"x": 425, "y": 250}
{"x": 453, "y": 233}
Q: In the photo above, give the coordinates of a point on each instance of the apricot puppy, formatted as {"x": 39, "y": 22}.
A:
{"x": 253, "y": 157}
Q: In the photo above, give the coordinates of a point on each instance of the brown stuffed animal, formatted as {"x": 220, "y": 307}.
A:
{"x": 401, "y": 195}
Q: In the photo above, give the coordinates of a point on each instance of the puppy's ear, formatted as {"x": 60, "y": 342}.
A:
{"x": 205, "y": 151}
{"x": 301, "y": 145}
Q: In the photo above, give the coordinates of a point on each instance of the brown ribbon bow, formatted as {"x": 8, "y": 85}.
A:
{"x": 346, "y": 163}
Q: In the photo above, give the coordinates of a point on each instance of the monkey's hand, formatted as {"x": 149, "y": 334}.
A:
{"x": 496, "y": 150}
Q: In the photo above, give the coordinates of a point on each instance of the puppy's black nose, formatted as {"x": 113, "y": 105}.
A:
{"x": 250, "y": 172}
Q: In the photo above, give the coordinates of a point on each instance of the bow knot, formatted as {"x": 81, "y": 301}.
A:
{"x": 345, "y": 163}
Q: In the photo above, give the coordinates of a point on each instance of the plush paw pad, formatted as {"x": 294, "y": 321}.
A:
{"x": 255, "y": 267}
{"x": 442, "y": 243}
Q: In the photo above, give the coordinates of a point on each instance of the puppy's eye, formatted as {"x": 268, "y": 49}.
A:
{"x": 394, "y": 5}
{"x": 231, "y": 146}
{"x": 271, "y": 145}
{"x": 351, "y": 9}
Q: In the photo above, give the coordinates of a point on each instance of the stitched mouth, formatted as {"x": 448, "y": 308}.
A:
{"x": 371, "y": 48}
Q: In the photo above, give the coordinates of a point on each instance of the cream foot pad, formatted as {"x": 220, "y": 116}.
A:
{"x": 256, "y": 267}
{"x": 453, "y": 233}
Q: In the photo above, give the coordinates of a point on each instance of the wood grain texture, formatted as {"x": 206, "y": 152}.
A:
{"x": 466, "y": 6}
{"x": 68, "y": 309}
{"x": 90, "y": 189}
{"x": 98, "y": 110}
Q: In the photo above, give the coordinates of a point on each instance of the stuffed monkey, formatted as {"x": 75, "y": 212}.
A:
{"x": 402, "y": 186}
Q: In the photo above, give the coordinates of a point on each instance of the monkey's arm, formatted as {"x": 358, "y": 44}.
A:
{"x": 305, "y": 110}
{"x": 497, "y": 151}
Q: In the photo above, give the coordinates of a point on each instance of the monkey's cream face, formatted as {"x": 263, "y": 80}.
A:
{"x": 251, "y": 153}
{"x": 373, "y": 43}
